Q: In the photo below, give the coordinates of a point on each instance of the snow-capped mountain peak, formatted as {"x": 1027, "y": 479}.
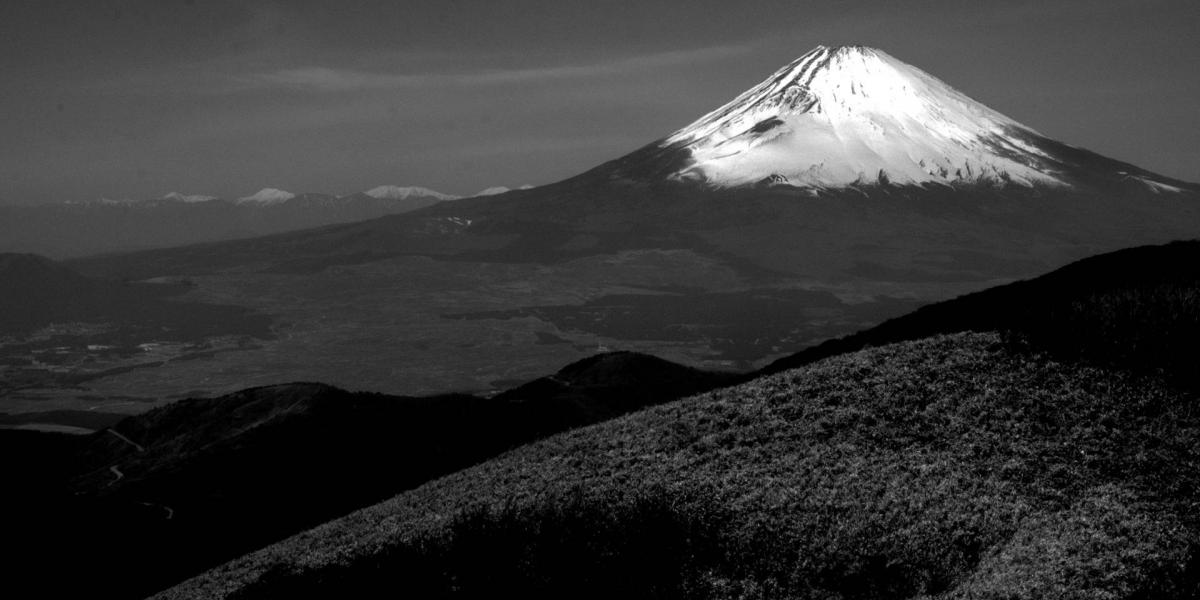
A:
{"x": 500, "y": 189}
{"x": 186, "y": 198}
{"x": 267, "y": 197}
{"x": 103, "y": 201}
{"x": 494, "y": 190}
{"x": 395, "y": 192}
{"x": 853, "y": 115}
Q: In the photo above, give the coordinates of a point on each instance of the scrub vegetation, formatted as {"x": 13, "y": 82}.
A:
{"x": 951, "y": 467}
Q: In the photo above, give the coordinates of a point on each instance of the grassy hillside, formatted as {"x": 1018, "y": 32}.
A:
{"x": 951, "y": 467}
{"x": 201, "y": 481}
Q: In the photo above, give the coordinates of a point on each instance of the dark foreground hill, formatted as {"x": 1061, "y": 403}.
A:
{"x": 1137, "y": 308}
{"x": 164, "y": 495}
{"x": 951, "y": 467}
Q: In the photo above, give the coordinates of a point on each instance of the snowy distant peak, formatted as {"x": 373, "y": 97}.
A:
{"x": 103, "y": 201}
{"x": 851, "y": 115}
{"x": 186, "y": 198}
{"x": 499, "y": 189}
{"x": 1158, "y": 187}
{"x": 267, "y": 197}
{"x": 395, "y": 192}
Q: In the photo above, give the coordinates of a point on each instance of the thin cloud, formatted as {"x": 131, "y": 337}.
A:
{"x": 327, "y": 79}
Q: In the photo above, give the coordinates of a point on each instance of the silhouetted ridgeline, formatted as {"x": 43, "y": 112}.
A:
{"x": 1137, "y": 308}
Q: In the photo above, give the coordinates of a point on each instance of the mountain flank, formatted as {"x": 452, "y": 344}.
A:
{"x": 1136, "y": 309}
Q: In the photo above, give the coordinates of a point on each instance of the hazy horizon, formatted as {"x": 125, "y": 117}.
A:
{"x": 137, "y": 99}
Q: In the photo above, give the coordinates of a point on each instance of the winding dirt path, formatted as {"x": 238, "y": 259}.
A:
{"x": 117, "y": 472}
{"x": 139, "y": 447}
{"x": 170, "y": 511}
{"x": 118, "y": 475}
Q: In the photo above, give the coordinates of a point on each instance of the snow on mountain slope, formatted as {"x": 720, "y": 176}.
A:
{"x": 1158, "y": 187}
{"x": 854, "y": 115}
{"x": 186, "y": 198}
{"x": 267, "y": 197}
{"x": 395, "y": 192}
{"x": 500, "y": 189}
{"x": 494, "y": 190}
{"x": 102, "y": 201}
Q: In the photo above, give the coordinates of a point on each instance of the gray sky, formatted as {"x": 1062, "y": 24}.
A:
{"x": 137, "y": 98}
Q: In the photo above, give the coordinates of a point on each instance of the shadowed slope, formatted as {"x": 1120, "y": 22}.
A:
{"x": 1137, "y": 308}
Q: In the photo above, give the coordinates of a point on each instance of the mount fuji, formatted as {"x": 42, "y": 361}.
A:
{"x": 856, "y": 116}
{"x": 847, "y": 162}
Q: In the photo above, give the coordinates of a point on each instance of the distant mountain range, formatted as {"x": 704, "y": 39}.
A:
{"x": 80, "y": 228}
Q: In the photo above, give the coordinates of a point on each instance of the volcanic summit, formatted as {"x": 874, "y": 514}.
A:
{"x": 853, "y": 116}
